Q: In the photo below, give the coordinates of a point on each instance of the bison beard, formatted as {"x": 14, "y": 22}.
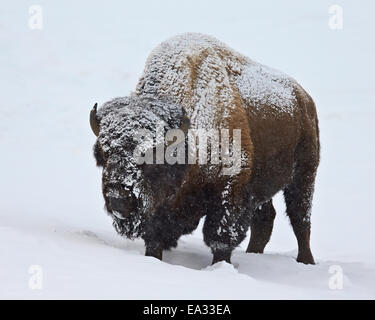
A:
{"x": 130, "y": 227}
{"x": 193, "y": 81}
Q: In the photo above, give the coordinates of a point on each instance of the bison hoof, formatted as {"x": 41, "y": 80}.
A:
{"x": 154, "y": 252}
{"x": 221, "y": 256}
{"x": 255, "y": 249}
{"x": 306, "y": 258}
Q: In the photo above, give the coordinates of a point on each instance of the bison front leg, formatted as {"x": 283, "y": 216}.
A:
{"x": 164, "y": 230}
{"x": 261, "y": 225}
{"x": 224, "y": 230}
{"x": 154, "y": 250}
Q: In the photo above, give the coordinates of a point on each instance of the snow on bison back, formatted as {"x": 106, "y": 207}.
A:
{"x": 156, "y": 187}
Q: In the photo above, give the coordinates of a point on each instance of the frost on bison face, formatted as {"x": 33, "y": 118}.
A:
{"x": 127, "y": 195}
{"x": 194, "y": 82}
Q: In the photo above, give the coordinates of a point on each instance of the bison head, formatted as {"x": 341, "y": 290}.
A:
{"x": 127, "y": 194}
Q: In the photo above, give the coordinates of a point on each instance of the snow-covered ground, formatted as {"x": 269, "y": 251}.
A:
{"x": 51, "y": 207}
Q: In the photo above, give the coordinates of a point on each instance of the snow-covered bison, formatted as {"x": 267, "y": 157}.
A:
{"x": 193, "y": 81}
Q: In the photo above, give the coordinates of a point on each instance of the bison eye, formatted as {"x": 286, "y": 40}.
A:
{"x": 98, "y": 154}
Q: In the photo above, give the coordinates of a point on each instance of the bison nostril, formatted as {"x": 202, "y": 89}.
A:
{"x": 117, "y": 204}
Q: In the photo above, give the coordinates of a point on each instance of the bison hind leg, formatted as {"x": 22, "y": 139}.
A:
{"x": 298, "y": 199}
{"x": 261, "y": 225}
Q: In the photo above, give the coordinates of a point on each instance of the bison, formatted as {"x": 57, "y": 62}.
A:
{"x": 190, "y": 82}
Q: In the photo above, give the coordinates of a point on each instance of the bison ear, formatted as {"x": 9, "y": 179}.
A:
{"x": 98, "y": 155}
{"x": 183, "y": 126}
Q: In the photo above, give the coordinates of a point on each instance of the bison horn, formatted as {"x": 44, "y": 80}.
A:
{"x": 94, "y": 120}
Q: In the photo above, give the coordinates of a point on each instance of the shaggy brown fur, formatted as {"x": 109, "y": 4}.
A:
{"x": 217, "y": 88}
